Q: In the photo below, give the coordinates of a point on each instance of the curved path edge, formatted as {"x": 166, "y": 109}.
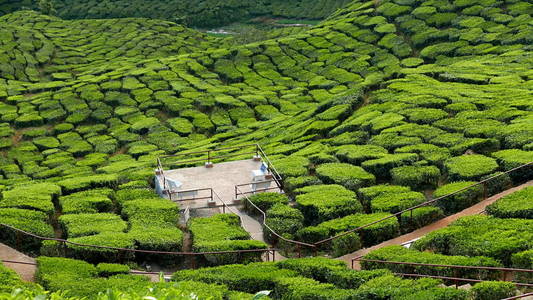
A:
{"x": 476, "y": 209}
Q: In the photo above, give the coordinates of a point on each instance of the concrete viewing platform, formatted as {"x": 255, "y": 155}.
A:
{"x": 221, "y": 177}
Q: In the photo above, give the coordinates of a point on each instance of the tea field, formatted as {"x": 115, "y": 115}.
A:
{"x": 380, "y": 107}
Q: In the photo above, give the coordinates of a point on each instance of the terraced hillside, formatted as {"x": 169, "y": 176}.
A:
{"x": 194, "y": 13}
{"x": 370, "y": 112}
{"x": 41, "y": 48}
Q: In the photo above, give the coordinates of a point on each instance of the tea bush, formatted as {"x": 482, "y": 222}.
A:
{"x": 402, "y": 254}
{"x": 319, "y": 203}
{"x": 265, "y": 201}
{"x": 283, "y": 220}
{"x": 223, "y": 233}
{"x": 469, "y": 167}
{"x": 370, "y": 235}
{"x": 480, "y": 235}
{"x": 492, "y": 290}
{"x": 459, "y": 200}
{"x": 349, "y": 176}
{"x": 516, "y": 205}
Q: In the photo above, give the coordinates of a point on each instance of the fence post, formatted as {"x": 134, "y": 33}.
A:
{"x": 193, "y": 262}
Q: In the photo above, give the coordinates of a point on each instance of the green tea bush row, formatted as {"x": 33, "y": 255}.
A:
{"x": 516, "y": 205}
{"x": 402, "y": 254}
{"x": 223, "y": 233}
{"x": 319, "y": 203}
{"x": 480, "y": 235}
{"x": 369, "y": 236}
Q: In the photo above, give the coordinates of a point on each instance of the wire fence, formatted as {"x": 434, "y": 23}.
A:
{"x": 503, "y": 274}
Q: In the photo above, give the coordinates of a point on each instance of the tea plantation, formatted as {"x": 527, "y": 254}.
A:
{"x": 380, "y": 107}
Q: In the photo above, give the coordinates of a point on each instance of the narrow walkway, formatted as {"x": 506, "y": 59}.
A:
{"x": 255, "y": 228}
{"x": 251, "y": 225}
{"x": 473, "y": 210}
{"x": 26, "y": 272}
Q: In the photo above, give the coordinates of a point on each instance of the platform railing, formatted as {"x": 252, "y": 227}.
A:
{"x": 208, "y": 156}
{"x": 240, "y": 187}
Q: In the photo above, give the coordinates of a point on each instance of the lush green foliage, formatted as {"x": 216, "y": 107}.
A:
{"x": 264, "y": 201}
{"x": 493, "y": 290}
{"x": 371, "y": 235}
{"x": 470, "y": 167}
{"x": 402, "y": 254}
{"x": 388, "y": 91}
{"x": 463, "y": 196}
{"x": 480, "y": 235}
{"x": 223, "y": 233}
{"x": 516, "y": 205}
{"x": 319, "y": 203}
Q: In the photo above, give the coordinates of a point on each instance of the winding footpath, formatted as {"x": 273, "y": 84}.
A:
{"x": 472, "y": 210}
{"x": 27, "y": 271}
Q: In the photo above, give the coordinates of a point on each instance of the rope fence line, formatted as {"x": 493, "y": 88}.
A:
{"x": 519, "y": 296}
{"x": 316, "y": 245}
{"x": 134, "y": 250}
{"x": 298, "y": 243}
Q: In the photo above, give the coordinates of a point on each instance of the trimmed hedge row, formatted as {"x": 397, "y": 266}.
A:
{"x": 320, "y": 203}
{"x": 223, "y": 232}
{"x": 349, "y": 176}
{"x": 459, "y": 201}
{"x": 370, "y": 235}
{"x": 481, "y": 235}
{"x": 315, "y": 278}
{"x": 283, "y": 220}
{"x": 32, "y": 221}
{"x": 79, "y": 279}
{"x": 265, "y": 201}
{"x": 516, "y": 205}
{"x": 398, "y": 253}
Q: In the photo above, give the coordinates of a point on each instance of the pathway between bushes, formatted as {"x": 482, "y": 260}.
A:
{"x": 26, "y": 272}
{"x": 473, "y": 210}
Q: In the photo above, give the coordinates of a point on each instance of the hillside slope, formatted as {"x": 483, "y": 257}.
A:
{"x": 421, "y": 82}
{"x": 198, "y": 13}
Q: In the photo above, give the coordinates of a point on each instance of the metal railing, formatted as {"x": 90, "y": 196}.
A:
{"x": 502, "y": 272}
{"x": 193, "y": 191}
{"x": 457, "y": 279}
{"x": 298, "y": 244}
{"x": 239, "y": 192}
{"x": 519, "y": 296}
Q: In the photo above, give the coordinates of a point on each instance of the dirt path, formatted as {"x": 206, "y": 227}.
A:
{"x": 26, "y": 272}
{"x": 473, "y": 210}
